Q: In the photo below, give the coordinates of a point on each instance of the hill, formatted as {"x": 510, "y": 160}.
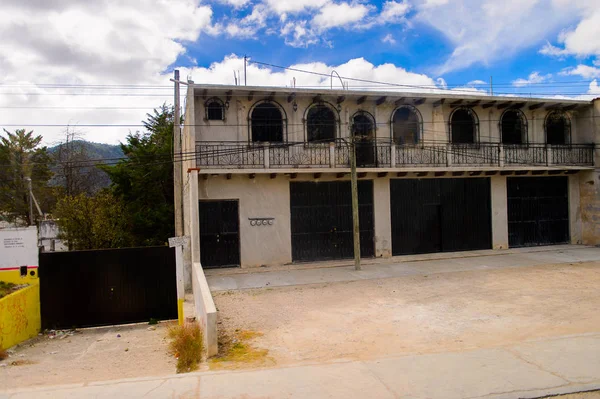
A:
{"x": 95, "y": 179}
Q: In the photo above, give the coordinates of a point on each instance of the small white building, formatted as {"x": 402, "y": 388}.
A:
{"x": 269, "y": 182}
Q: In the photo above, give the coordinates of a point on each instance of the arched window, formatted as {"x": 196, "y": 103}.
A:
{"x": 215, "y": 110}
{"x": 363, "y": 126}
{"x": 406, "y": 125}
{"x": 363, "y": 131}
{"x": 321, "y": 123}
{"x": 267, "y": 123}
{"x": 558, "y": 128}
{"x": 513, "y": 127}
{"x": 463, "y": 126}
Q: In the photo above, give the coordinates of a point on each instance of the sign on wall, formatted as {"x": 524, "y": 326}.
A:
{"x": 18, "y": 247}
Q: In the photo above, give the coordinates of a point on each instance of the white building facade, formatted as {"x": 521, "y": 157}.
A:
{"x": 268, "y": 181}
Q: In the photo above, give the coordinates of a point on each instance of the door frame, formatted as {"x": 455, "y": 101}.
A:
{"x": 239, "y": 233}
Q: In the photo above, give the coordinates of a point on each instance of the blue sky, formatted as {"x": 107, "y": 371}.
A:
{"x": 542, "y": 47}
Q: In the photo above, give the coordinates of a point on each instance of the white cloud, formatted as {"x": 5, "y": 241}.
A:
{"x": 388, "y": 39}
{"x": 533, "y": 78}
{"x": 552, "y": 51}
{"x": 394, "y": 11}
{"x": 91, "y": 42}
{"x": 477, "y": 83}
{"x": 220, "y": 72}
{"x": 585, "y": 71}
{"x": 594, "y": 88}
{"x": 298, "y": 34}
{"x": 483, "y": 31}
{"x": 294, "y": 6}
{"x": 235, "y": 3}
{"x": 339, "y": 15}
{"x": 582, "y": 40}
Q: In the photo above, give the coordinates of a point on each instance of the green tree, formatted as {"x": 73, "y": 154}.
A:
{"x": 21, "y": 158}
{"x": 92, "y": 222}
{"x": 144, "y": 181}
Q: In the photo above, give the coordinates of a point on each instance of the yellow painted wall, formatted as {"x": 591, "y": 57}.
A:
{"x": 14, "y": 276}
{"x": 20, "y": 317}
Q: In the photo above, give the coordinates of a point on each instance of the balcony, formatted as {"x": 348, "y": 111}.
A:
{"x": 274, "y": 156}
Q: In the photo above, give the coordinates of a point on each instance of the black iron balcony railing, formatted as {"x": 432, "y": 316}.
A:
{"x": 244, "y": 155}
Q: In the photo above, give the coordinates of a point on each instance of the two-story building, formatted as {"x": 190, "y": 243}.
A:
{"x": 269, "y": 179}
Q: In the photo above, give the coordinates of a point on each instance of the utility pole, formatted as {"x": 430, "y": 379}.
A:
{"x": 31, "y": 223}
{"x": 491, "y": 86}
{"x": 245, "y": 81}
{"x": 177, "y": 162}
{"x": 355, "y": 216}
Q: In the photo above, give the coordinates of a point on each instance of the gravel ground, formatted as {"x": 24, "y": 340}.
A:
{"x": 416, "y": 314}
{"x": 95, "y": 354}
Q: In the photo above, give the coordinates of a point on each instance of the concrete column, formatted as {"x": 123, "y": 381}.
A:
{"x": 574, "y": 210}
{"x": 194, "y": 217}
{"x": 383, "y": 218}
{"x": 499, "y": 213}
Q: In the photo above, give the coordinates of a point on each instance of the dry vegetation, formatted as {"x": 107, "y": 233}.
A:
{"x": 187, "y": 346}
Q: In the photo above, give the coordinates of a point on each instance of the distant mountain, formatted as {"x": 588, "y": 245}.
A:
{"x": 95, "y": 179}
{"x": 95, "y": 150}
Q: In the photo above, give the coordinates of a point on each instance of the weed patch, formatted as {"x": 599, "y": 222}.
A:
{"x": 187, "y": 345}
{"x": 237, "y": 351}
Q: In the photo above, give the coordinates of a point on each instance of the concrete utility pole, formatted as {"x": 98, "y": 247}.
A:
{"x": 177, "y": 162}
{"x": 31, "y": 223}
{"x": 355, "y": 215}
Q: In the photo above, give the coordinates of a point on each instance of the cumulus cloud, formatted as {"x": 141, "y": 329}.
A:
{"x": 388, "y": 39}
{"x": 91, "y": 42}
{"x": 394, "y": 11}
{"x": 533, "y": 78}
{"x": 339, "y": 15}
{"x": 220, "y": 72}
{"x": 585, "y": 71}
{"x": 483, "y": 31}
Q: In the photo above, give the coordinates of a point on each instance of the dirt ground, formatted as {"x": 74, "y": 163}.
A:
{"x": 416, "y": 314}
{"x": 89, "y": 355}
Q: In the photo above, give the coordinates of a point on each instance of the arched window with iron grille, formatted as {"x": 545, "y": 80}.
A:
{"x": 363, "y": 132}
{"x": 407, "y": 125}
{"x": 267, "y": 122}
{"x": 321, "y": 123}
{"x": 513, "y": 127}
{"x": 464, "y": 126}
{"x": 215, "y": 109}
{"x": 558, "y": 128}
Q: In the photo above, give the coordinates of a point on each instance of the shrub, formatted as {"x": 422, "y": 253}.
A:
{"x": 187, "y": 345}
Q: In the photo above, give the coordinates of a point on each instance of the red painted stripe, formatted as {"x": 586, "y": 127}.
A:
{"x": 16, "y": 268}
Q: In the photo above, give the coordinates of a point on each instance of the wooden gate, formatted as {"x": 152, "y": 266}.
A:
{"x": 105, "y": 287}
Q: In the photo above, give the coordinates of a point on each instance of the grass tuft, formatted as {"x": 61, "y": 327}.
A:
{"x": 187, "y": 344}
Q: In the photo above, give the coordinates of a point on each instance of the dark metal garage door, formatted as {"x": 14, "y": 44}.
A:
{"x": 322, "y": 220}
{"x": 440, "y": 215}
{"x": 538, "y": 211}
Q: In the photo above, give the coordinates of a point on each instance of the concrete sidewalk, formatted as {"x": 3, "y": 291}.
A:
{"x": 222, "y": 280}
{"x": 528, "y": 370}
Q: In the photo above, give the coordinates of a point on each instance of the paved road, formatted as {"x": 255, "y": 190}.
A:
{"x": 399, "y": 267}
{"x": 528, "y": 370}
